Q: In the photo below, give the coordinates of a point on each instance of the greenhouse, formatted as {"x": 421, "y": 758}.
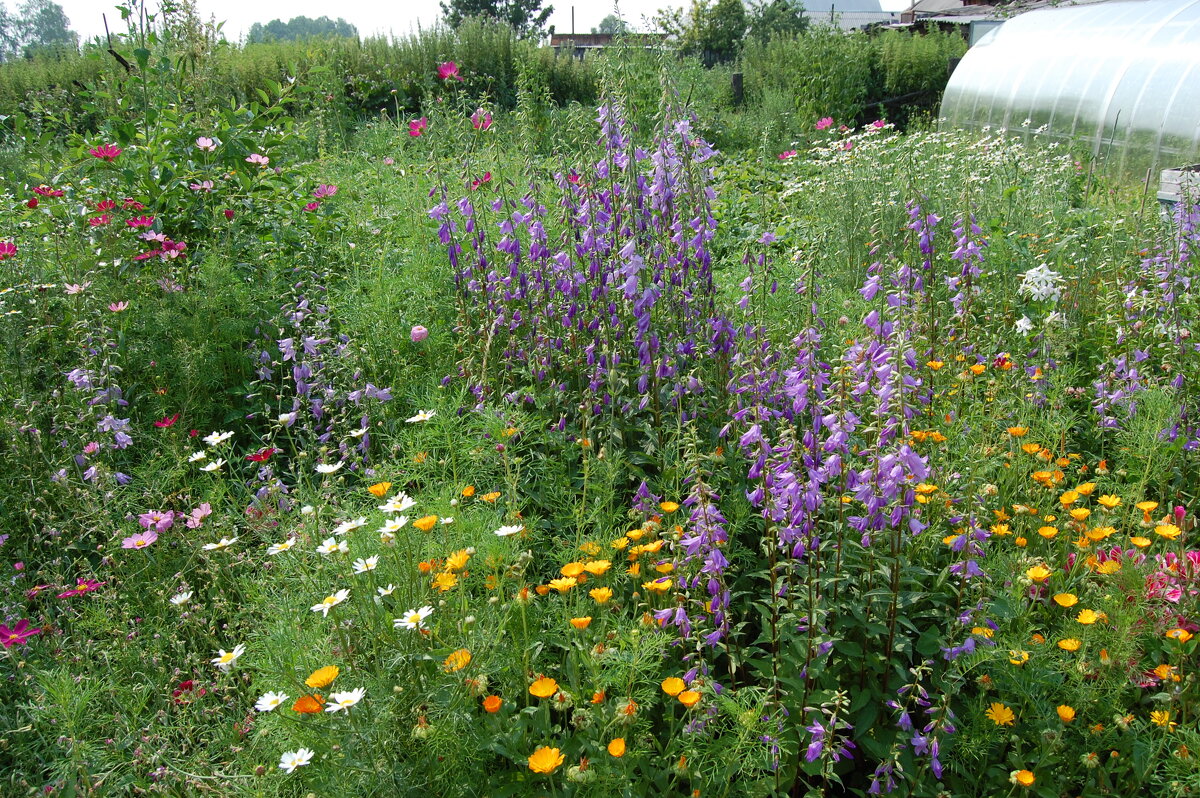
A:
{"x": 1122, "y": 78}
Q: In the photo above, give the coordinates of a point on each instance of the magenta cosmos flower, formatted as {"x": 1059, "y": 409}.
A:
{"x": 81, "y": 587}
{"x": 448, "y": 70}
{"x": 322, "y": 191}
{"x": 18, "y": 635}
{"x": 418, "y": 334}
{"x": 824, "y": 122}
{"x": 783, "y": 156}
{"x": 140, "y": 541}
{"x": 417, "y": 126}
{"x": 481, "y": 119}
{"x": 106, "y": 152}
{"x": 7, "y": 250}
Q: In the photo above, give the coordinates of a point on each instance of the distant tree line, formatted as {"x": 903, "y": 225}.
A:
{"x": 37, "y": 27}
{"x": 299, "y": 28}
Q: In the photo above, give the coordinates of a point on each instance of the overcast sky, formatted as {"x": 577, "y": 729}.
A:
{"x": 369, "y": 16}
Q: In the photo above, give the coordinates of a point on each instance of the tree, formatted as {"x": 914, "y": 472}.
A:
{"x": 774, "y": 17}
{"x": 38, "y": 26}
{"x": 712, "y": 31}
{"x": 612, "y": 25}
{"x": 299, "y": 28}
{"x": 527, "y": 17}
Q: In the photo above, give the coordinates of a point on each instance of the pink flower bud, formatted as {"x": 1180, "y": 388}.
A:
{"x": 418, "y": 334}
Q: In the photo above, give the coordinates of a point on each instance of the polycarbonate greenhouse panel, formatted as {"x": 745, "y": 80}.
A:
{"x": 1121, "y": 78}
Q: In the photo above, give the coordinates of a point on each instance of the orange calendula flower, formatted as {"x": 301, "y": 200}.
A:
{"x": 457, "y": 661}
{"x": 978, "y": 369}
{"x": 598, "y": 697}
{"x": 322, "y": 677}
{"x": 1038, "y": 638}
{"x": 379, "y": 489}
{"x": 490, "y": 498}
{"x": 1038, "y": 573}
{"x": 689, "y": 698}
{"x": 668, "y": 507}
{"x": 468, "y": 491}
{"x": 492, "y": 704}
{"x": 563, "y": 584}
{"x": 1108, "y": 501}
{"x": 444, "y": 581}
{"x": 1000, "y": 714}
{"x": 309, "y": 704}
{"x": 1086, "y": 489}
{"x": 1140, "y": 541}
{"x": 581, "y": 623}
{"x": 660, "y": 585}
{"x": 673, "y": 685}
{"x": 628, "y": 709}
{"x": 1069, "y": 644}
{"x": 1020, "y": 542}
{"x": 1168, "y": 531}
{"x": 1080, "y": 513}
{"x": 935, "y": 365}
{"x": 543, "y": 687}
{"x": 1022, "y": 778}
{"x": 1088, "y": 617}
{"x": 1018, "y": 658}
{"x": 597, "y": 567}
{"x": 1066, "y": 599}
{"x": 1018, "y": 432}
{"x": 616, "y": 747}
{"x": 1031, "y": 448}
{"x": 601, "y": 595}
{"x": 545, "y": 760}
{"x": 1179, "y": 635}
{"x": 1047, "y": 531}
{"x": 425, "y": 523}
{"x": 572, "y": 569}
{"x": 1065, "y": 713}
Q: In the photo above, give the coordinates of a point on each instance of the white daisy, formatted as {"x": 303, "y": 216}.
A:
{"x": 279, "y": 548}
{"x": 331, "y": 545}
{"x": 217, "y": 437}
{"x": 223, "y": 544}
{"x": 393, "y": 525}
{"x": 215, "y": 465}
{"x": 358, "y": 433}
{"x": 329, "y": 602}
{"x": 349, "y": 526}
{"x": 387, "y": 538}
{"x": 447, "y": 520}
{"x": 340, "y": 701}
{"x": 361, "y": 566}
{"x": 413, "y": 619}
{"x": 179, "y": 599}
{"x": 269, "y": 701}
{"x": 385, "y": 591}
{"x": 294, "y": 759}
{"x": 307, "y": 510}
{"x": 225, "y": 659}
{"x": 326, "y": 468}
{"x": 398, "y": 503}
{"x": 505, "y": 531}
{"x": 197, "y": 457}
{"x": 423, "y": 415}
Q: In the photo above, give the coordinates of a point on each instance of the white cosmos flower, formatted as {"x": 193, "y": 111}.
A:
{"x": 215, "y": 465}
{"x": 340, "y": 701}
{"x": 224, "y": 543}
{"x": 447, "y": 520}
{"x": 329, "y": 602}
{"x": 361, "y": 566}
{"x": 397, "y": 504}
{"x": 269, "y": 701}
{"x": 331, "y": 545}
{"x": 225, "y": 659}
{"x": 179, "y": 599}
{"x": 279, "y": 548}
{"x": 326, "y": 468}
{"x": 197, "y": 457}
{"x": 413, "y": 619}
{"x": 358, "y": 433}
{"x": 350, "y": 526}
{"x": 385, "y": 591}
{"x": 307, "y": 510}
{"x": 217, "y": 437}
{"x": 294, "y": 759}
{"x": 423, "y": 415}
{"x": 505, "y": 531}
{"x": 1023, "y": 325}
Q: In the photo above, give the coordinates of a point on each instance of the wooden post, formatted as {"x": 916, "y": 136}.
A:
{"x": 738, "y": 94}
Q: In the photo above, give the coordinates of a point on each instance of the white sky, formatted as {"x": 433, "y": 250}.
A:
{"x": 369, "y": 16}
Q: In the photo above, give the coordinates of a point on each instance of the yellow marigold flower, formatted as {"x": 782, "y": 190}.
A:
{"x": 1140, "y": 541}
{"x": 937, "y": 437}
{"x": 668, "y": 507}
{"x": 581, "y": 623}
{"x": 490, "y": 498}
{"x": 1000, "y": 714}
{"x": 978, "y": 369}
{"x": 1018, "y": 432}
{"x": 545, "y": 760}
{"x": 379, "y": 489}
{"x": 591, "y": 548}
{"x": 543, "y": 687}
{"x": 635, "y": 534}
{"x": 660, "y": 585}
{"x": 1088, "y": 617}
{"x": 1086, "y": 489}
{"x": 1109, "y": 501}
{"x": 1069, "y": 644}
{"x": 1047, "y": 531}
{"x": 982, "y": 631}
{"x": 665, "y": 567}
{"x": 1065, "y": 599}
{"x": 1162, "y": 717}
{"x": 616, "y": 747}
{"x": 1022, "y": 778}
{"x": 634, "y": 570}
{"x": 458, "y": 560}
{"x": 673, "y": 686}
{"x": 572, "y": 569}
{"x": 1179, "y": 634}
{"x": 426, "y": 522}
{"x": 1020, "y": 542}
{"x": 920, "y": 436}
{"x": 1031, "y": 448}
{"x": 1165, "y": 671}
{"x": 949, "y": 539}
{"x": 1108, "y": 568}
{"x": 444, "y": 581}
{"x": 1068, "y": 498}
{"x": 1065, "y": 713}
{"x": 935, "y": 365}
{"x": 597, "y": 567}
{"x": 1168, "y": 531}
{"x": 1000, "y": 530}
{"x": 620, "y": 543}
{"x": 1038, "y": 573}
{"x": 457, "y": 661}
{"x": 601, "y": 595}
{"x": 1062, "y": 462}
{"x": 564, "y": 584}
{"x": 468, "y": 491}
{"x": 1146, "y": 506}
{"x": 1080, "y": 513}
{"x": 1018, "y": 658}
{"x": 1100, "y": 533}
{"x": 689, "y": 698}
{"x": 322, "y": 677}
{"x": 925, "y": 488}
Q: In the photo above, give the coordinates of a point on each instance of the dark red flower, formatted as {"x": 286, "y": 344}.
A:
{"x": 166, "y": 421}
{"x": 229, "y": 213}
{"x": 262, "y": 455}
{"x": 33, "y": 202}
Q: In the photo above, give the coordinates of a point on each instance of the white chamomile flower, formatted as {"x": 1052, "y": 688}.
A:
{"x": 179, "y": 599}
{"x": 413, "y": 619}
{"x": 361, "y": 566}
{"x": 215, "y": 465}
{"x": 197, "y": 457}
{"x": 225, "y": 659}
{"x": 294, "y": 759}
{"x": 307, "y": 510}
{"x": 358, "y": 433}
{"x": 332, "y": 545}
{"x": 350, "y": 526}
{"x": 217, "y": 437}
{"x": 326, "y": 468}
{"x": 279, "y": 548}
{"x": 269, "y": 701}
{"x": 505, "y": 531}
{"x": 385, "y": 591}
{"x": 329, "y": 602}
{"x": 423, "y": 415}
{"x": 398, "y": 503}
{"x": 224, "y": 543}
{"x": 387, "y": 538}
{"x": 340, "y": 701}
{"x": 447, "y": 520}
{"x": 393, "y": 525}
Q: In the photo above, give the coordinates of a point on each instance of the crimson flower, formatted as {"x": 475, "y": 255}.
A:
{"x": 487, "y": 178}
{"x": 166, "y": 421}
{"x": 417, "y": 126}
{"x": 481, "y": 119}
{"x": 262, "y": 455}
{"x": 104, "y": 206}
{"x": 140, "y": 221}
{"x": 106, "y": 152}
{"x": 47, "y": 191}
{"x": 18, "y": 635}
{"x": 312, "y": 206}
{"x": 132, "y": 204}
{"x": 7, "y": 250}
{"x": 33, "y": 202}
{"x": 81, "y": 587}
{"x": 229, "y": 213}
{"x": 98, "y": 221}
{"x": 448, "y": 70}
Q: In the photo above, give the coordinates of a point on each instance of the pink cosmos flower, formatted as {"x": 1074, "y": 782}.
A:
{"x": 18, "y": 635}
{"x": 448, "y": 70}
{"x": 417, "y": 126}
{"x": 206, "y": 144}
{"x": 139, "y": 541}
{"x": 487, "y": 178}
{"x": 481, "y": 119}
{"x": 312, "y": 206}
{"x": 157, "y": 520}
{"x": 166, "y": 421}
{"x": 83, "y": 586}
{"x": 117, "y": 307}
{"x": 104, "y": 206}
{"x": 847, "y": 146}
{"x": 388, "y": 161}
{"x": 878, "y": 124}
{"x": 106, "y": 152}
{"x": 7, "y": 250}
{"x": 824, "y": 122}
{"x": 140, "y": 221}
{"x": 196, "y": 519}
{"x": 100, "y": 221}
{"x": 259, "y": 160}
{"x": 47, "y": 191}
{"x": 77, "y": 288}
{"x": 418, "y": 334}
{"x": 783, "y": 156}
{"x": 91, "y": 448}
{"x": 204, "y": 185}
{"x": 322, "y": 191}
{"x": 130, "y": 204}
